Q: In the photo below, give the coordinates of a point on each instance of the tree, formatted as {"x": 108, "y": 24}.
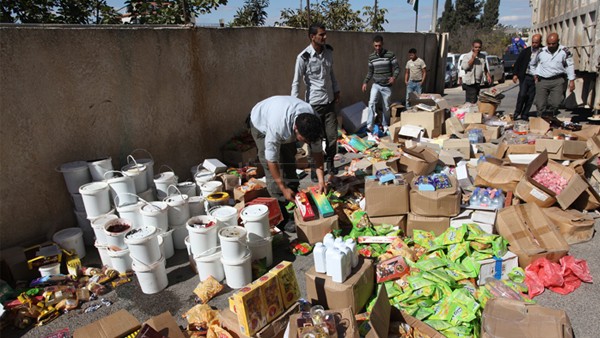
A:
{"x": 376, "y": 19}
{"x": 489, "y": 18}
{"x": 169, "y": 11}
{"x": 251, "y": 14}
{"x": 334, "y": 14}
{"x": 448, "y": 19}
{"x": 467, "y": 12}
{"x": 59, "y": 11}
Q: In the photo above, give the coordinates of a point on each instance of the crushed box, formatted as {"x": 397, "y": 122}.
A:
{"x": 561, "y": 149}
{"x": 495, "y": 173}
{"x": 418, "y": 159}
{"x": 116, "y": 325}
{"x": 574, "y": 226}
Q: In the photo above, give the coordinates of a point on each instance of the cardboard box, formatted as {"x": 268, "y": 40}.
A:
{"x": 473, "y": 118}
{"x": 346, "y": 323}
{"x": 538, "y": 125}
{"x": 116, "y": 325}
{"x": 574, "y": 226}
{"x": 269, "y": 286}
{"x": 497, "y": 269}
{"x": 505, "y": 149}
{"x": 354, "y": 117}
{"x": 531, "y": 191}
{"x": 238, "y": 158}
{"x": 418, "y": 159}
{"x": 387, "y": 199}
{"x": 354, "y": 292}
{"x": 507, "y": 318}
{"x": 417, "y": 222}
{"x": 166, "y": 325}
{"x": 463, "y": 146}
{"x": 432, "y": 122}
{"x": 487, "y": 108}
{"x": 250, "y": 307}
{"x": 242, "y": 194}
{"x": 395, "y": 109}
{"x": 429, "y": 99}
{"x": 561, "y": 149}
{"x": 495, "y": 173}
{"x": 314, "y": 231}
{"x": 399, "y": 221}
{"x": 274, "y": 329}
{"x": 489, "y": 132}
{"x": 485, "y": 219}
{"x": 453, "y": 126}
{"x": 442, "y": 202}
{"x": 530, "y": 233}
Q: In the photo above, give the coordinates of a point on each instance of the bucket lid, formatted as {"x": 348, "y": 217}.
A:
{"x": 209, "y": 257}
{"x": 165, "y": 176}
{"x": 211, "y": 185}
{"x": 130, "y": 207}
{"x": 233, "y": 233}
{"x": 195, "y": 199}
{"x": 91, "y": 188}
{"x": 73, "y": 166}
{"x": 217, "y": 196}
{"x": 67, "y": 233}
{"x": 137, "y": 236}
{"x": 186, "y": 184}
{"x": 100, "y": 221}
{"x": 203, "y": 173}
{"x": 133, "y": 168}
{"x": 223, "y": 211}
{"x": 154, "y": 207}
{"x": 255, "y": 210}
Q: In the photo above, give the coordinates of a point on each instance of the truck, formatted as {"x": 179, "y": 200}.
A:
{"x": 576, "y": 23}
{"x": 511, "y": 54}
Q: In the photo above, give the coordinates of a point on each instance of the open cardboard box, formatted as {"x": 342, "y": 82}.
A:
{"x": 418, "y": 159}
{"x": 435, "y": 224}
{"x": 346, "y": 324}
{"x": 561, "y": 149}
{"x": 441, "y": 202}
{"x": 495, "y": 173}
{"x": 274, "y": 329}
{"x": 432, "y": 122}
{"x": 116, "y": 325}
{"x": 398, "y": 220}
{"x": 314, "y": 231}
{"x": 387, "y": 199}
{"x": 428, "y": 99}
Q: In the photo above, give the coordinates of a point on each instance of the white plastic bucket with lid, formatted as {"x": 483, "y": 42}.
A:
{"x": 70, "y": 239}
{"x": 143, "y": 244}
{"x": 147, "y": 195}
{"x": 233, "y": 242}
{"x": 197, "y": 206}
{"x": 49, "y": 269}
{"x": 75, "y": 174}
{"x": 138, "y": 172}
{"x": 98, "y": 167}
{"x": 155, "y": 214}
{"x": 256, "y": 221}
{"x": 179, "y": 209}
{"x": 98, "y": 224}
{"x": 180, "y": 232}
{"x": 202, "y": 232}
{"x": 225, "y": 214}
{"x": 210, "y": 265}
{"x": 120, "y": 260}
{"x": 103, "y": 252}
{"x": 96, "y": 198}
{"x": 167, "y": 237}
{"x": 190, "y": 256}
{"x": 262, "y": 248}
{"x": 238, "y": 272}
{"x": 131, "y": 213}
{"x": 187, "y": 188}
{"x": 123, "y": 187}
{"x": 210, "y": 187}
{"x": 78, "y": 202}
{"x": 203, "y": 175}
{"x": 148, "y": 162}
{"x": 86, "y": 227}
{"x": 115, "y": 231}
{"x": 152, "y": 277}
{"x": 163, "y": 180}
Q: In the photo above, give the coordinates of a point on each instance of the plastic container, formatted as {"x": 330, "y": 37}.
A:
{"x": 233, "y": 242}
{"x": 180, "y": 232}
{"x": 71, "y": 239}
{"x": 147, "y": 195}
{"x": 210, "y": 265}
{"x": 256, "y": 221}
{"x": 143, "y": 245}
{"x": 196, "y": 204}
{"x": 187, "y": 188}
{"x": 75, "y": 174}
{"x": 275, "y": 215}
{"x": 190, "y": 256}
{"x": 131, "y": 213}
{"x": 104, "y": 256}
{"x": 49, "y": 269}
{"x": 167, "y": 237}
{"x": 98, "y": 227}
{"x": 238, "y": 272}
{"x": 98, "y": 167}
{"x": 155, "y": 214}
{"x": 162, "y": 181}
{"x": 202, "y": 232}
{"x": 86, "y": 227}
{"x": 153, "y": 277}
{"x": 262, "y": 248}
{"x": 319, "y": 257}
{"x": 138, "y": 172}
{"x": 96, "y": 198}
{"x": 179, "y": 209}
{"x": 202, "y": 176}
{"x": 226, "y": 215}
{"x": 148, "y": 162}
{"x": 120, "y": 260}
{"x": 217, "y": 198}
{"x": 211, "y": 187}
{"x": 123, "y": 188}
{"x": 115, "y": 231}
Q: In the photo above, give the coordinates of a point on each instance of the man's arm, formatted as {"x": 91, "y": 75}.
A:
{"x": 334, "y": 83}
{"x": 319, "y": 159}
{"x": 424, "y": 73}
{"x": 406, "y": 74}
{"x": 299, "y": 71}
{"x": 395, "y": 67}
{"x": 274, "y": 169}
{"x": 570, "y": 69}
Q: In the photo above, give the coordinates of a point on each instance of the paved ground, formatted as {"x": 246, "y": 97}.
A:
{"x": 177, "y": 298}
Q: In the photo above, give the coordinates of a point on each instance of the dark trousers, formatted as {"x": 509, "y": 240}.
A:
{"x": 471, "y": 92}
{"x": 326, "y": 113}
{"x": 525, "y": 98}
{"x": 549, "y": 94}
{"x": 287, "y": 164}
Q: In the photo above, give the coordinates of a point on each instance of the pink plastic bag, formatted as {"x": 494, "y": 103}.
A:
{"x": 561, "y": 278}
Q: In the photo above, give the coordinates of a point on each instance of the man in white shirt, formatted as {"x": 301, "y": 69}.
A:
{"x": 474, "y": 66}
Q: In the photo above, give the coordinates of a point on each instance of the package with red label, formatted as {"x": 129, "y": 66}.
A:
{"x": 390, "y": 269}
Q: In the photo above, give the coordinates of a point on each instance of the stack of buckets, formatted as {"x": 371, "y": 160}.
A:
{"x": 204, "y": 246}
{"x": 148, "y": 262}
{"x": 255, "y": 219}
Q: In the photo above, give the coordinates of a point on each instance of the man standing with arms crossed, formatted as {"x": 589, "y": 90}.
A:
{"x": 384, "y": 70}
{"x": 315, "y": 66}
{"x": 475, "y": 68}
{"x": 553, "y": 66}
{"x": 523, "y": 74}
{"x": 414, "y": 75}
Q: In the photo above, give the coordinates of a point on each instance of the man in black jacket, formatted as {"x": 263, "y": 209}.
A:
{"x": 523, "y": 74}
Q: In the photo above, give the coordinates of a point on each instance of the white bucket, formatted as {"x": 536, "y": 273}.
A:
{"x": 233, "y": 242}
{"x": 226, "y": 215}
{"x": 163, "y": 180}
{"x": 138, "y": 173}
{"x": 202, "y": 232}
{"x": 103, "y": 252}
{"x": 153, "y": 277}
{"x": 180, "y": 232}
{"x": 187, "y": 188}
{"x": 147, "y": 195}
{"x": 131, "y": 213}
{"x": 155, "y": 214}
{"x": 115, "y": 231}
{"x": 122, "y": 187}
{"x": 211, "y": 187}
{"x": 143, "y": 245}
{"x": 98, "y": 227}
{"x": 179, "y": 209}
{"x": 197, "y": 206}
{"x": 161, "y": 246}
{"x": 49, "y": 269}
{"x": 99, "y": 167}
{"x": 120, "y": 260}
{"x": 86, "y": 227}
{"x": 190, "y": 256}
{"x": 256, "y": 221}
{"x": 167, "y": 237}
{"x": 238, "y": 272}
{"x": 203, "y": 175}
{"x": 70, "y": 239}
{"x": 75, "y": 174}
{"x": 148, "y": 161}
{"x": 262, "y": 248}
{"x": 96, "y": 198}
{"x": 210, "y": 265}
{"x": 78, "y": 202}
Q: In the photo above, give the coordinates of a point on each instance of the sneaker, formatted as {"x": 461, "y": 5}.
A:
{"x": 386, "y": 131}
{"x": 313, "y": 176}
{"x": 372, "y": 137}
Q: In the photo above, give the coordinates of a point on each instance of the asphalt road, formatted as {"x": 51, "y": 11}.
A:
{"x": 581, "y": 305}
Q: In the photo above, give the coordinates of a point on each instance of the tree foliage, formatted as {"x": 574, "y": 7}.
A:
{"x": 169, "y": 11}
{"x": 467, "y": 12}
{"x": 58, "y": 11}
{"x": 491, "y": 12}
{"x": 253, "y": 13}
{"x": 448, "y": 19}
{"x": 376, "y": 20}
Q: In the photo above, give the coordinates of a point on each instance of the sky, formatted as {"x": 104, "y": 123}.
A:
{"x": 400, "y": 15}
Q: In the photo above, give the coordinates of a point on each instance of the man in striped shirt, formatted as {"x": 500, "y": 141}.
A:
{"x": 384, "y": 70}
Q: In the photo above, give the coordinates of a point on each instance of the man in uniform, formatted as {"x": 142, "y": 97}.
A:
{"x": 315, "y": 66}
{"x": 523, "y": 74}
{"x": 474, "y": 66}
{"x": 553, "y": 67}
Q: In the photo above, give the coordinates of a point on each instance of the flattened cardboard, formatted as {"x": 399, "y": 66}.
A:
{"x": 495, "y": 173}
{"x": 428, "y": 99}
{"x": 387, "y": 199}
{"x": 561, "y": 149}
{"x": 530, "y": 233}
{"x": 116, "y": 325}
{"x": 314, "y": 231}
{"x": 166, "y": 325}
{"x": 507, "y": 318}
{"x": 453, "y": 126}
{"x": 442, "y": 202}
{"x": 417, "y": 222}
{"x": 346, "y": 324}
{"x": 574, "y": 226}
{"x": 354, "y": 292}
{"x": 538, "y": 125}
{"x": 418, "y": 159}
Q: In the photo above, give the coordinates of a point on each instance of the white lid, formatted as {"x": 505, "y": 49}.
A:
{"x": 66, "y": 233}
{"x": 212, "y": 184}
{"x": 164, "y": 176}
{"x": 152, "y": 206}
{"x": 196, "y": 199}
{"x": 223, "y": 211}
{"x": 92, "y": 187}
{"x": 185, "y": 184}
{"x": 140, "y": 233}
{"x": 177, "y": 198}
{"x": 255, "y": 210}
{"x": 134, "y": 168}
{"x": 232, "y": 232}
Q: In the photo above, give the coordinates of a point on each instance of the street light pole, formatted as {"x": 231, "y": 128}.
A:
{"x": 434, "y": 16}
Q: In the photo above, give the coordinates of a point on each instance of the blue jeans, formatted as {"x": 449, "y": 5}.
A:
{"x": 412, "y": 86}
{"x": 386, "y": 95}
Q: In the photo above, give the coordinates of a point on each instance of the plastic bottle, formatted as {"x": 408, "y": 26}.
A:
{"x": 335, "y": 265}
{"x": 474, "y": 199}
{"x": 328, "y": 240}
{"x": 501, "y": 199}
{"x": 320, "y": 257}
{"x": 485, "y": 200}
{"x": 350, "y": 243}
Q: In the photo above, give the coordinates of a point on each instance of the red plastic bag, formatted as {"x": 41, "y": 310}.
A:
{"x": 561, "y": 278}
{"x": 574, "y": 271}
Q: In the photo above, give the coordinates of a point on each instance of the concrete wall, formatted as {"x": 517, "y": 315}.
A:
{"x": 71, "y": 94}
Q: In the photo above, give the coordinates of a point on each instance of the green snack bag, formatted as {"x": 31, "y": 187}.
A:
{"x": 465, "y": 330}
{"x": 425, "y": 302}
{"x": 464, "y": 297}
{"x": 441, "y": 275}
{"x": 469, "y": 286}
{"x": 426, "y": 264}
{"x": 392, "y": 289}
{"x": 471, "y": 266}
{"x": 423, "y": 238}
{"x": 481, "y": 238}
{"x": 480, "y": 255}
{"x": 456, "y": 251}
{"x": 517, "y": 275}
{"x": 483, "y": 295}
{"x": 418, "y": 282}
{"x": 423, "y": 313}
{"x": 474, "y": 229}
{"x": 519, "y": 287}
{"x": 499, "y": 246}
{"x": 438, "y": 325}
{"x": 451, "y": 236}
{"x": 480, "y": 246}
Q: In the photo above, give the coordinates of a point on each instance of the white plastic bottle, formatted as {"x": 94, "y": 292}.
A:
{"x": 474, "y": 200}
{"x": 350, "y": 243}
{"x": 320, "y": 257}
{"x": 347, "y": 261}
{"x": 485, "y": 200}
{"x": 335, "y": 264}
{"x": 329, "y": 240}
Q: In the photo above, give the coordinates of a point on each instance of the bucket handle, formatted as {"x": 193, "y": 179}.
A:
{"x": 166, "y": 166}
{"x": 174, "y": 187}
{"x": 144, "y": 267}
{"x": 146, "y": 202}
{"x": 198, "y": 167}
{"x": 127, "y": 193}
{"x": 207, "y": 251}
{"x": 143, "y": 150}
{"x": 137, "y": 166}
{"x": 114, "y": 171}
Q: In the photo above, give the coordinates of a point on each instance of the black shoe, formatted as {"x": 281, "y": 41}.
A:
{"x": 313, "y": 176}
{"x": 331, "y": 169}
{"x": 290, "y": 227}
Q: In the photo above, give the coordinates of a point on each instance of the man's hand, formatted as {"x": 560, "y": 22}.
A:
{"x": 289, "y": 194}
{"x": 571, "y": 85}
{"x": 515, "y": 79}
{"x": 337, "y": 97}
{"x": 536, "y": 79}
{"x": 489, "y": 79}
{"x": 364, "y": 87}
{"x": 392, "y": 80}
